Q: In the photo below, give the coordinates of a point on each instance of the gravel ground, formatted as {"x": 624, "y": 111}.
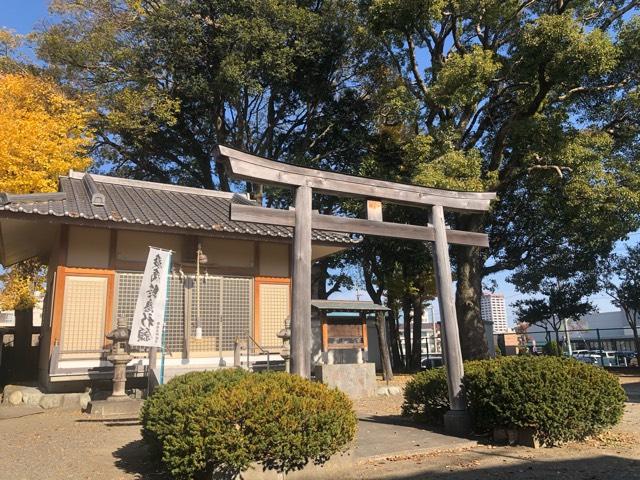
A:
{"x": 614, "y": 455}
{"x": 62, "y": 445}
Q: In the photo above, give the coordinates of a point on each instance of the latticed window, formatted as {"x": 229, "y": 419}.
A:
{"x": 274, "y": 312}
{"x": 83, "y": 318}
{"x": 225, "y": 310}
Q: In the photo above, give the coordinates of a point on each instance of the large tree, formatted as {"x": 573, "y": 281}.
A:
{"x": 536, "y": 99}
{"x": 43, "y": 134}
{"x": 174, "y": 79}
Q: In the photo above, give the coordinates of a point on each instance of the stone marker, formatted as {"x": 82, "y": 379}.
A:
{"x": 355, "y": 379}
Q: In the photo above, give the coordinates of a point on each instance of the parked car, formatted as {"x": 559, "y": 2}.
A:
{"x": 575, "y": 353}
{"x": 589, "y": 357}
{"x": 609, "y": 358}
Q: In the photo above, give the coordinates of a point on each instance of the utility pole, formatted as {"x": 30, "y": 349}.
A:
{"x": 567, "y": 337}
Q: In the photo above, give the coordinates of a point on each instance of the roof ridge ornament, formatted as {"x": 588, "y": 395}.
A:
{"x": 97, "y": 199}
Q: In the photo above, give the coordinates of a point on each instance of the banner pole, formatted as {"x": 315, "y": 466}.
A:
{"x": 164, "y": 325}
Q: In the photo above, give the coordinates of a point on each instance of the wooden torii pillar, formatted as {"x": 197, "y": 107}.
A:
{"x": 303, "y": 219}
{"x": 301, "y": 286}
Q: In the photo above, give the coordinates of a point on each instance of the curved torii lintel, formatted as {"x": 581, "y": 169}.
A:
{"x": 245, "y": 166}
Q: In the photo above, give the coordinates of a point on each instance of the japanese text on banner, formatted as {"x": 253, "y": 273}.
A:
{"x": 148, "y": 317}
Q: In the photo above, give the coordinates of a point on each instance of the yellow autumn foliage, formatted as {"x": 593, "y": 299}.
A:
{"x": 20, "y": 284}
{"x": 43, "y": 134}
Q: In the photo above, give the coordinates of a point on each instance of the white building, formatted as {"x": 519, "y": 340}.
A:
{"x": 431, "y": 341}
{"x": 492, "y": 309}
{"x": 607, "y": 331}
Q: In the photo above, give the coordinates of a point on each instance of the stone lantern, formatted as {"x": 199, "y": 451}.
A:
{"x": 285, "y": 352}
{"x": 120, "y": 357}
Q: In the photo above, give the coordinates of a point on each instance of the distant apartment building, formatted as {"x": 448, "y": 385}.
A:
{"x": 492, "y": 309}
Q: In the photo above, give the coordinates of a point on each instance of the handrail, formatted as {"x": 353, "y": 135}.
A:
{"x": 250, "y": 340}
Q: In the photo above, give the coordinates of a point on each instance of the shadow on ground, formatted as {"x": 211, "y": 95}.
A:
{"x": 633, "y": 391}
{"x": 135, "y": 458}
{"x": 112, "y": 422}
{"x": 396, "y": 420}
{"x": 603, "y": 467}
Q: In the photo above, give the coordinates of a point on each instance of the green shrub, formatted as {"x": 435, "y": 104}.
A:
{"x": 560, "y": 399}
{"x": 425, "y": 396}
{"x": 221, "y": 422}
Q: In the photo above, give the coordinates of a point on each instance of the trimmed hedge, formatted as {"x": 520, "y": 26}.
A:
{"x": 561, "y": 399}
{"x": 219, "y": 423}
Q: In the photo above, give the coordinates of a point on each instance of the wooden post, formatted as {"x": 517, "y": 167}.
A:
{"x": 152, "y": 378}
{"x": 457, "y": 419}
{"x": 187, "y": 301}
{"x": 301, "y": 302}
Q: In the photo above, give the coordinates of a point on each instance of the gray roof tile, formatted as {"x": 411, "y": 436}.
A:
{"x": 348, "y": 306}
{"x": 149, "y": 203}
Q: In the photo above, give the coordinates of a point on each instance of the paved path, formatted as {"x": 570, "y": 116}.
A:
{"x": 380, "y": 439}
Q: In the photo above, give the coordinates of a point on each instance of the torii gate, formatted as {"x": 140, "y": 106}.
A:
{"x": 305, "y": 181}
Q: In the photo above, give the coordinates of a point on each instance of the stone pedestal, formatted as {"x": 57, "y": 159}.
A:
{"x": 355, "y": 379}
{"x": 457, "y": 423}
{"x": 109, "y": 407}
{"x": 119, "y": 374}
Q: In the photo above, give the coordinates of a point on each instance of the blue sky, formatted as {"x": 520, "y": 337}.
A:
{"x": 23, "y": 16}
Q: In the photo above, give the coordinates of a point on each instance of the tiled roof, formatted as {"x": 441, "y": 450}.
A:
{"x": 348, "y": 306}
{"x": 150, "y": 204}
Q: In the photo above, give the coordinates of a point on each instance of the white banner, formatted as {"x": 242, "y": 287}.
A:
{"x": 148, "y": 318}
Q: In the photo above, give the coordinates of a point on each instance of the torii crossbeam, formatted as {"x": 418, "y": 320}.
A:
{"x": 306, "y": 181}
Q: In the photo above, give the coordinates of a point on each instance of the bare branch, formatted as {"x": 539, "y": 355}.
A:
{"x": 619, "y": 13}
{"x": 414, "y": 66}
{"x": 560, "y": 170}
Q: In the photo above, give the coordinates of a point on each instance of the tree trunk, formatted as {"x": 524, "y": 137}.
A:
{"x": 223, "y": 178}
{"x": 392, "y": 324}
{"x": 470, "y": 264}
{"x": 417, "y": 334}
{"x": 319, "y": 277}
{"x": 406, "y": 314}
{"x": 383, "y": 346}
